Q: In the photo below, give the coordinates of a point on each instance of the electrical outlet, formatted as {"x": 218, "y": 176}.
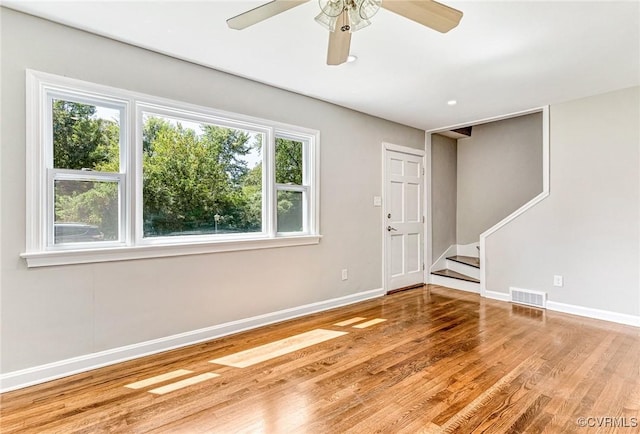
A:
{"x": 558, "y": 280}
{"x": 345, "y": 274}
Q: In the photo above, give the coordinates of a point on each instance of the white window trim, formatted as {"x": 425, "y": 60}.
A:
{"x": 132, "y": 245}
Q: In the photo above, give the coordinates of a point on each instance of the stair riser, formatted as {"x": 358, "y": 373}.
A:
{"x": 455, "y": 283}
{"x": 467, "y": 270}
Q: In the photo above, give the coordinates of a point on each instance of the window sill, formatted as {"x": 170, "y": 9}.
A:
{"x": 86, "y": 256}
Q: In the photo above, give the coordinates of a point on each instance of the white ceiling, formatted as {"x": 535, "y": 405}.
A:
{"x": 504, "y": 57}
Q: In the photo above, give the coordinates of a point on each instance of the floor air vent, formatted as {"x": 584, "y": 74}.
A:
{"x": 528, "y": 297}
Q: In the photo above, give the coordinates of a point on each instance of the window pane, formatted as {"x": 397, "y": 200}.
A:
{"x": 85, "y": 211}
{"x": 85, "y": 137}
{"x": 289, "y": 211}
{"x": 200, "y": 179}
{"x": 288, "y": 161}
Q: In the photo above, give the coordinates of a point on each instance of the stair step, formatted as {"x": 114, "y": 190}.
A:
{"x": 467, "y": 260}
{"x": 455, "y": 275}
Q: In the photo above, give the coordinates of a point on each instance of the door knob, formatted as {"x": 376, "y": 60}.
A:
{"x": 389, "y": 228}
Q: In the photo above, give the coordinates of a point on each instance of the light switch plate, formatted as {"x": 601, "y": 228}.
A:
{"x": 377, "y": 201}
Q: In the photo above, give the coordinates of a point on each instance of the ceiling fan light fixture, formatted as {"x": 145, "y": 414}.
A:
{"x": 356, "y": 22}
{"x": 332, "y": 8}
{"x": 358, "y": 11}
{"x": 326, "y": 21}
{"x": 368, "y": 8}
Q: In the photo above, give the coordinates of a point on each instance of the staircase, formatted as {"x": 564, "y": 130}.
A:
{"x": 461, "y": 272}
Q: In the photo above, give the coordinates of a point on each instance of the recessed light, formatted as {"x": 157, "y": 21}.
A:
{"x": 452, "y": 102}
{"x": 351, "y": 58}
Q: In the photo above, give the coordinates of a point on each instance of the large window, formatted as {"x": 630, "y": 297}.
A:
{"x": 215, "y": 185}
{"x": 116, "y": 175}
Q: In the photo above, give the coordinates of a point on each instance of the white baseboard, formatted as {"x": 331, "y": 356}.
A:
{"x": 449, "y": 282}
{"x": 497, "y": 295}
{"x": 589, "y": 312}
{"x": 63, "y": 368}
{"x": 620, "y": 318}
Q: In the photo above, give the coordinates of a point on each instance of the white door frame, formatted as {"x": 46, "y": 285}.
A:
{"x": 386, "y": 146}
{"x": 428, "y": 212}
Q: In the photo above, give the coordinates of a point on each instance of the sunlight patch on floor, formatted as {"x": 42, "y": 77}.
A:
{"x": 349, "y": 321}
{"x": 369, "y": 323}
{"x": 252, "y": 356}
{"x": 158, "y": 379}
{"x": 184, "y": 383}
{"x": 278, "y": 348}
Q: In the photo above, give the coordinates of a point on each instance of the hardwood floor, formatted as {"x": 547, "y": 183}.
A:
{"x": 441, "y": 361}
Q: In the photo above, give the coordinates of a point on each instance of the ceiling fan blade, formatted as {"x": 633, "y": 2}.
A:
{"x": 339, "y": 43}
{"x": 261, "y": 13}
{"x": 426, "y": 12}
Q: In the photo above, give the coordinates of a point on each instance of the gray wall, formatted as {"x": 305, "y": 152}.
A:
{"x": 499, "y": 170}
{"x": 54, "y": 313}
{"x": 443, "y": 194}
{"x": 588, "y": 228}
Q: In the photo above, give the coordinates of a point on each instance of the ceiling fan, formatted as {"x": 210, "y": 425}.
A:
{"x": 343, "y": 17}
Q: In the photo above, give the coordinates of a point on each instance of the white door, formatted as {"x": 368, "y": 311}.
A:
{"x": 403, "y": 223}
